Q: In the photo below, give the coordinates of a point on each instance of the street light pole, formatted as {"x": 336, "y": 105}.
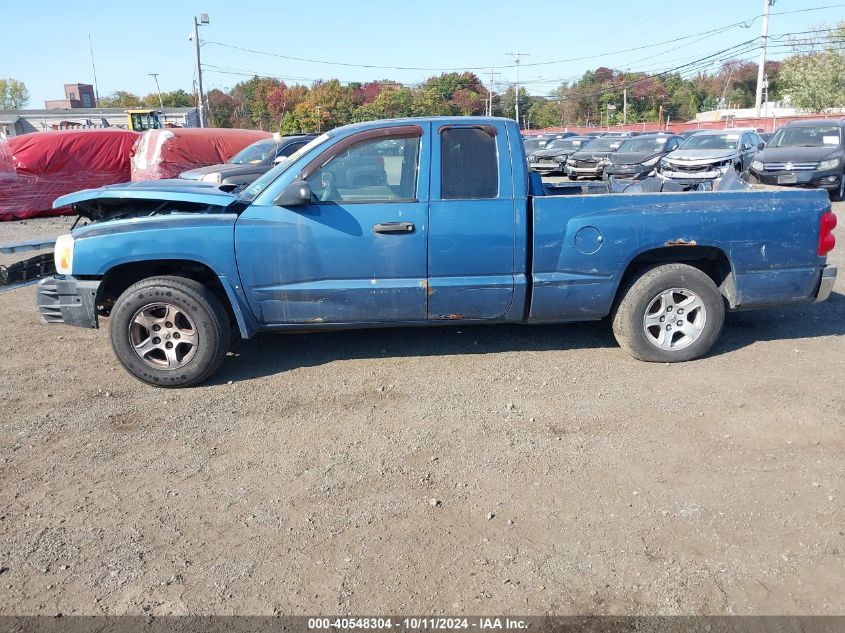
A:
{"x": 158, "y": 89}
{"x": 203, "y": 20}
{"x": 517, "y": 58}
{"x": 767, "y": 4}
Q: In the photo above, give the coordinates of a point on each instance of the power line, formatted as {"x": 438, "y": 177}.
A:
{"x": 742, "y": 24}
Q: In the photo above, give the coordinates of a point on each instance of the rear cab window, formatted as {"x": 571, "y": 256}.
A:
{"x": 469, "y": 163}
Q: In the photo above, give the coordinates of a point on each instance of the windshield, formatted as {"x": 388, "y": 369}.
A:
{"x": 644, "y": 144}
{"x": 533, "y": 144}
{"x": 821, "y": 136}
{"x": 250, "y": 193}
{"x": 565, "y": 143}
{"x": 712, "y": 141}
{"x": 260, "y": 153}
{"x": 603, "y": 145}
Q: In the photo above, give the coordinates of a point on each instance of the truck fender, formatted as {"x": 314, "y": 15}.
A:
{"x": 247, "y": 324}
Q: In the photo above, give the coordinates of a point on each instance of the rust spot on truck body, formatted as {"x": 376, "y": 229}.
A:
{"x": 428, "y": 290}
{"x": 681, "y": 242}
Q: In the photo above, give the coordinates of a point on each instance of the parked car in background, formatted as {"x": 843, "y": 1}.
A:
{"x": 766, "y": 136}
{"x": 620, "y": 134}
{"x": 592, "y": 134}
{"x": 591, "y": 159}
{"x": 534, "y": 143}
{"x": 709, "y": 155}
{"x": 552, "y": 158}
{"x": 804, "y": 154}
{"x": 687, "y": 133}
{"x": 250, "y": 162}
{"x": 638, "y": 157}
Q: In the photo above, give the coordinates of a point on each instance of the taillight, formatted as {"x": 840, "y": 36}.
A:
{"x": 826, "y": 239}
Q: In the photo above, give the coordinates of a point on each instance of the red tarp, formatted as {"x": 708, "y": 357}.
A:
{"x": 37, "y": 168}
{"x": 167, "y": 153}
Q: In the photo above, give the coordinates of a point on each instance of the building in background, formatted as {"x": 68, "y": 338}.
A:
{"x": 17, "y": 122}
{"x": 76, "y": 96}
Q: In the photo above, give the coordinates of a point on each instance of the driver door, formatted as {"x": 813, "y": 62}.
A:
{"x": 357, "y": 252}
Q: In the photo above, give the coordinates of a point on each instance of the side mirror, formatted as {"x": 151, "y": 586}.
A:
{"x": 761, "y": 145}
{"x": 296, "y": 194}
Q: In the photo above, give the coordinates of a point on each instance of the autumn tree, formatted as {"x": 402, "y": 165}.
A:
{"x": 814, "y": 78}
{"x": 13, "y": 94}
{"x": 122, "y": 99}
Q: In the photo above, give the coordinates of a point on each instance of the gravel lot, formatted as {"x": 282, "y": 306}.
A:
{"x": 491, "y": 469}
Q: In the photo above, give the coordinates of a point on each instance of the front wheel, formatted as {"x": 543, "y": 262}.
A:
{"x": 670, "y": 313}
{"x": 838, "y": 195}
{"x": 169, "y": 331}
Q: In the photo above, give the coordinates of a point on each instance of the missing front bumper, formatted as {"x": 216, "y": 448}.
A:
{"x": 64, "y": 299}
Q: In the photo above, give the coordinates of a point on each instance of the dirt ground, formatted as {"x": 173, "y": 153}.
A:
{"x": 503, "y": 469}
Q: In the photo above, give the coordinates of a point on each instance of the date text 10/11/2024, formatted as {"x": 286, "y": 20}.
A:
{"x": 417, "y": 623}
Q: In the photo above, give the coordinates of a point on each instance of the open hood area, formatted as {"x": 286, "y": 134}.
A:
{"x": 147, "y": 198}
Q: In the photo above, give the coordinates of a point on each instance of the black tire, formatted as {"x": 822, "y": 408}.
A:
{"x": 640, "y": 294}
{"x": 571, "y": 177}
{"x": 838, "y": 195}
{"x": 202, "y": 317}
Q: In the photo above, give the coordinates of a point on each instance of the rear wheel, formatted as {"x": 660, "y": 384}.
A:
{"x": 670, "y": 313}
{"x": 169, "y": 331}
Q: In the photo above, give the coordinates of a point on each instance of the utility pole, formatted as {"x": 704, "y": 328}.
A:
{"x": 766, "y": 91}
{"x": 490, "y": 93}
{"x": 625, "y": 106}
{"x": 204, "y": 22}
{"x": 158, "y": 88}
{"x": 517, "y": 58}
{"x": 767, "y": 4}
{"x": 319, "y": 121}
{"x": 94, "y": 68}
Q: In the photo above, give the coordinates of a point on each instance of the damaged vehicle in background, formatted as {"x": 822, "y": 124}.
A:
{"x": 552, "y": 158}
{"x": 638, "y": 157}
{"x": 708, "y": 155}
{"x": 251, "y": 162}
{"x": 804, "y": 154}
{"x": 592, "y": 158}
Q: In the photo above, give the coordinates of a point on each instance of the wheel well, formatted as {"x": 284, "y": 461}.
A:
{"x": 710, "y": 260}
{"x": 119, "y": 278}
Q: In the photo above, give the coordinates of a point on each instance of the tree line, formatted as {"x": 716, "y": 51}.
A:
{"x": 813, "y": 78}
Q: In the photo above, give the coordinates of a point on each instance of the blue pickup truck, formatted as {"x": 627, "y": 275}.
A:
{"x": 422, "y": 222}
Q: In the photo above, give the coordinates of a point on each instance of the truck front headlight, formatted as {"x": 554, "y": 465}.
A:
{"x": 63, "y": 254}
{"x": 570, "y": 161}
{"x": 651, "y": 161}
{"x": 831, "y": 163}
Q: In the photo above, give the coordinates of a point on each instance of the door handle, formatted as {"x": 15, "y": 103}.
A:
{"x": 394, "y": 227}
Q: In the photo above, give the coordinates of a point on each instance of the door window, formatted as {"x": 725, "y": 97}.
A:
{"x": 287, "y": 150}
{"x": 382, "y": 169}
{"x": 469, "y": 163}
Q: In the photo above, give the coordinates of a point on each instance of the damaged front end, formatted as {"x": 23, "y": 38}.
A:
{"x": 117, "y": 202}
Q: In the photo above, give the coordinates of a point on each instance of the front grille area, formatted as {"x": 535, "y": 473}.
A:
{"x": 586, "y": 163}
{"x": 792, "y": 167}
{"x": 691, "y": 169}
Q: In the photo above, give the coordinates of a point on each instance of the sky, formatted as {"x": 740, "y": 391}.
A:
{"x": 44, "y": 43}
